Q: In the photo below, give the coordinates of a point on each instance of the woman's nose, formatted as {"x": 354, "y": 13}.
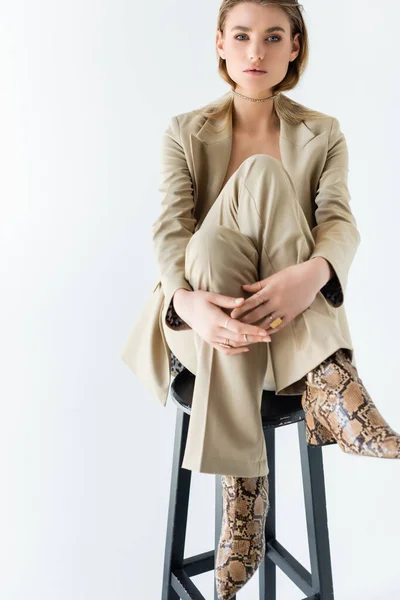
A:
{"x": 256, "y": 52}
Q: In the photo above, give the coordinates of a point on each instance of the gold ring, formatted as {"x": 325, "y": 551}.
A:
{"x": 276, "y": 322}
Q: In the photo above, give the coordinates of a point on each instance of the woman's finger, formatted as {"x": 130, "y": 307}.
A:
{"x": 266, "y": 323}
{"x": 239, "y": 340}
{"x": 258, "y": 313}
{"x": 229, "y": 350}
{"x": 243, "y": 338}
{"x": 229, "y": 326}
{"x": 254, "y": 301}
{"x": 224, "y": 301}
{"x": 253, "y": 287}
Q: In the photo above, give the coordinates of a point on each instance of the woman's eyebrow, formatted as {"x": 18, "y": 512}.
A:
{"x": 268, "y": 30}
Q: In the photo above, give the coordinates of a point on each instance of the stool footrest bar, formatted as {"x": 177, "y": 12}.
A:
{"x": 199, "y": 563}
{"x": 184, "y": 587}
{"x": 283, "y": 559}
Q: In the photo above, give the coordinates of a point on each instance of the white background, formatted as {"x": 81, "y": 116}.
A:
{"x": 87, "y": 88}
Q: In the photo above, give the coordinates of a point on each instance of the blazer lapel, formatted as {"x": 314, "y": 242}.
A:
{"x": 211, "y": 152}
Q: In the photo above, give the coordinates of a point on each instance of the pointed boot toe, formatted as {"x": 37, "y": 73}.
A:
{"x": 338, "y": 409}
{"x": 241, "y": 547}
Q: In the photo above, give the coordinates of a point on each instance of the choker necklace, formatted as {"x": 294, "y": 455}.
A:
{"x": 254, "y": 99}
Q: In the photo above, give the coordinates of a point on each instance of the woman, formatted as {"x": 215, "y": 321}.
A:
{"x": 254, "y": 243}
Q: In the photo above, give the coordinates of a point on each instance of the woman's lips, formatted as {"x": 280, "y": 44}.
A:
{"x": 256, "y": 73}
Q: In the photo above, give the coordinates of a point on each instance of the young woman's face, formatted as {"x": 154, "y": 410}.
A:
{"x": 270, "y": 50}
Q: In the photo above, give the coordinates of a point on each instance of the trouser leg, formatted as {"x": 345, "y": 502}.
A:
{"x": 255, "y": 228}
{"x": 225, "y": 432}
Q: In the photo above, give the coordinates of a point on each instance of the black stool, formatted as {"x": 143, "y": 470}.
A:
{"x": 275, "y": 412}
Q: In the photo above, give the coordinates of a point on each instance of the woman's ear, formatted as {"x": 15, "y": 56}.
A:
{"x": 220, "y": 44}
{"x": 295, "y": 47}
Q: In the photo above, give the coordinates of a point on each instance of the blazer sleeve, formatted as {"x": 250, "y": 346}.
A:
{"x": 175, "y": 225}
{"x": 335, "y": 234}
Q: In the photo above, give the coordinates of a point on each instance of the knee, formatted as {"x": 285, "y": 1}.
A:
{"x": 220, "y": 243}
{"x": 262, "y": 169}
{"x": 263, "y": 163}
{"x": 210, "y": 241}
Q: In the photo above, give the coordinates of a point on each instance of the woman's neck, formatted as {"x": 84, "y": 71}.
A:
{"x": 254, "y": 118}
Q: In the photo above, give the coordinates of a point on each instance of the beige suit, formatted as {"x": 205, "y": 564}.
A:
{"x": 269, "y": 215}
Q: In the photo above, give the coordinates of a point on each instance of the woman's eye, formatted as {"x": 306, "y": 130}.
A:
{"x": 271, "y": 36}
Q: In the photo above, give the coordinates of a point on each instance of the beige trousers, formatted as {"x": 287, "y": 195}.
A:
{"x": 255, "y": 227}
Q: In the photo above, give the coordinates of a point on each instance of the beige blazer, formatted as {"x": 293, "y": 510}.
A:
{"x": 193, "y": 166}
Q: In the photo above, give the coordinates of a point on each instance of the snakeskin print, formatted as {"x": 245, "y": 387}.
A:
{"x": 242, "y": 545}
{"x": 176, "y": 322}
{"x": 175, "y": 365}
{"x": 172, "y": 317}
{"x": 338, "y": 408}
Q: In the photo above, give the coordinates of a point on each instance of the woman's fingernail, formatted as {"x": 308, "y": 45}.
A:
{"x": 238, "y": 300}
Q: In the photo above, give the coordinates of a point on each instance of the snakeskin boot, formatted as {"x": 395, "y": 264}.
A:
{"x": 338, "y": 409}
{"x": 241, "y": 546}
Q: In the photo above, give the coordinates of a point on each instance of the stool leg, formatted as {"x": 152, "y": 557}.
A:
{"x": 178, "y": 508}
{"x": 218, "y": 520}
{"x": 267, "y": 569}
{"x": 316, "y": 514}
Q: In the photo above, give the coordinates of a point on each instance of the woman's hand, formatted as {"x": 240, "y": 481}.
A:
{"x": 284, "y": 294}
{"x": 202, "y": 311}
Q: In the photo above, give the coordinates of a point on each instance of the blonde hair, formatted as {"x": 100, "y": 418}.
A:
{"x": 286, "y": 108}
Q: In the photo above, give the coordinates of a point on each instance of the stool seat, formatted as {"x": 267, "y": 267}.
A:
{"x": 275, "y": 410}
{"x": 179, "y": 570}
